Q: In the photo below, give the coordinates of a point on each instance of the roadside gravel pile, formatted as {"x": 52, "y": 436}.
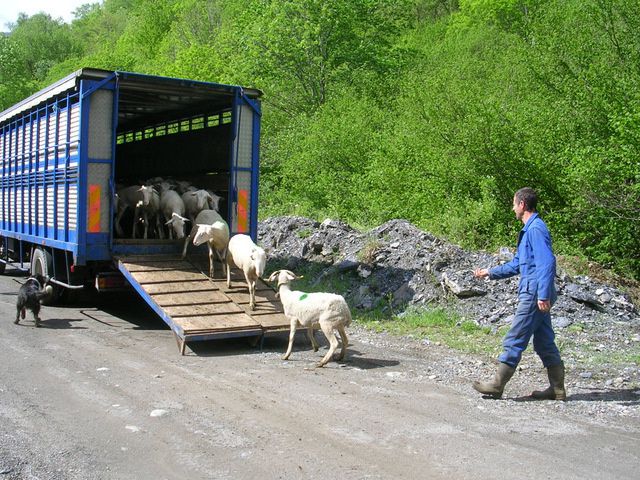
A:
{"x": 396, "y": 266}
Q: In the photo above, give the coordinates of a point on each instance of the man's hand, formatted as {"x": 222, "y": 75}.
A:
{"x": 481, "y": 273}
{"x": 544, "y": 305}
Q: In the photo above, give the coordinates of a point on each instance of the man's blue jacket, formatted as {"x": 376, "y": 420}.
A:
{"x": 534, "y": 261}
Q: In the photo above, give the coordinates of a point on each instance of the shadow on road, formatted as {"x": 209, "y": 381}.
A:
{"x": 627, "y": 397}
{"x": 61, "y": 324}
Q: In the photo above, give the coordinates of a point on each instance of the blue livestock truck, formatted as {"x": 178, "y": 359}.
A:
{"x": 66, "y": 147}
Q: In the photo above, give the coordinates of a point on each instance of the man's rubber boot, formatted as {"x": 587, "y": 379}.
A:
{"x": 495, "y": 386}
{"x": 556, "y": 390}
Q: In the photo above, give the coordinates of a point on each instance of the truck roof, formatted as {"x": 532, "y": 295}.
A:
{"x": 141, "y": 96}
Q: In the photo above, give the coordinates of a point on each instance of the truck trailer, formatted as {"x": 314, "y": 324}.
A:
{"x": 67, "y": 147}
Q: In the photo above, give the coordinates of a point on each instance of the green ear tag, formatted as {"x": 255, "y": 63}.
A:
{"x": 303, "y": 296}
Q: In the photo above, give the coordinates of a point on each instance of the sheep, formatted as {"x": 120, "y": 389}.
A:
{"x": 151, "y": 212}
{"x": 214, "y": 201}
{"x": 196, "y": 201}
{"x": 173, "y": 209}
{"x": 210, "y": 227}
{"x": 134, "y": 197}
{"x": 250, "y": 258}
{"x": 182, "y": 186}
{"x": 328, "y": 310}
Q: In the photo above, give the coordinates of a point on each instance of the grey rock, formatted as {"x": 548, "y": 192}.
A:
{"x": 403, "y": 295}
{"x": 461, "y": 288}
{"x": 561, "y": 322}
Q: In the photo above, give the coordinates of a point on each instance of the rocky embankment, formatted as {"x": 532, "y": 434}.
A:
{"x": 397, "y": 266}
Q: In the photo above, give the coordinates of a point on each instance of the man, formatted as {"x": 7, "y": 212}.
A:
{"x": 536, "y": 264}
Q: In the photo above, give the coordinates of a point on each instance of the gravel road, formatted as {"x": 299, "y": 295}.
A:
{"x": 101, "y": 392}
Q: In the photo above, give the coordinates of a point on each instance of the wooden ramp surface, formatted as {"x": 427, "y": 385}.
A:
{"x": 198, "y": 307}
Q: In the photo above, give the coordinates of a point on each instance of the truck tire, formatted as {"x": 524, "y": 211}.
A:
{"x": 42, "y": 263}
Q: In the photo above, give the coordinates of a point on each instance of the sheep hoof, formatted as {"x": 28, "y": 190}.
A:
{"x": 320, "y": 365}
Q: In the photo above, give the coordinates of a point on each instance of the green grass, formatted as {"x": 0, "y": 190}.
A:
{"x": 437, "y": 325}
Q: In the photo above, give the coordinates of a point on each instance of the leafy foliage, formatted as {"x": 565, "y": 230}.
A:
{"x": 431, "y": 110}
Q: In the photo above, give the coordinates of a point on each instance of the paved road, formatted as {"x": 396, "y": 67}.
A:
{"x": 100, "y": 392}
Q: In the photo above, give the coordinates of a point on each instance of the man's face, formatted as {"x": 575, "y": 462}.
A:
{"x": 518, "y": 208}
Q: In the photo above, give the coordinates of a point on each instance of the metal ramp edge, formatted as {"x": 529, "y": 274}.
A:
{"x": 197, "y": 307}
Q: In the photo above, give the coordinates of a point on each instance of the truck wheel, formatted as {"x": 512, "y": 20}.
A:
{"x": 42, "y": 263}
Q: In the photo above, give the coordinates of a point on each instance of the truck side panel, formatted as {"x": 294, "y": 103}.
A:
{"x": 39, "y": 184}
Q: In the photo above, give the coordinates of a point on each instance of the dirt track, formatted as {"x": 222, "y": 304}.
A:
{"x": 102, "y": 393}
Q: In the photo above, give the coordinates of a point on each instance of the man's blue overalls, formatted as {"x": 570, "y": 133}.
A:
{"x": 536, "y": 264}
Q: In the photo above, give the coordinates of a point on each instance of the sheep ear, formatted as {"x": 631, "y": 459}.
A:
{"x": 169, "y": 222}
{"x": 274, "y": 275}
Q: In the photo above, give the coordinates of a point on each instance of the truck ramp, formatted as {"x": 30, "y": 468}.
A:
{"x": 197, "y": 307}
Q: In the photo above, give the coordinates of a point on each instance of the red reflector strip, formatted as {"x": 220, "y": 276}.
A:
{"x": 243, "y": 211}
{"x": 93, "y": 224}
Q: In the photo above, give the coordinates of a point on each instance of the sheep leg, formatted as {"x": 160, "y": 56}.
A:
{"x": 119, "y": 230}
{"x": 135, "y": 220}
{"x": 188, "y": 240}
{"x": 327, "y": 329}
{"x": 292, "y": 333}
{"x": 252, "y": 293}
{"x": 345, "y": 342}
{"x": 145, "y": 219}
{"x": 159, "y": 227}
{"x": 228, "y": 272}
{"x": 223, "y": 259}
{"x": 210, "y": 259}
{"x": 312, "y": 339}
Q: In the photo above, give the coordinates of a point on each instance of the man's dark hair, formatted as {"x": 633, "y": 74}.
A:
{"x": 529, "y": 197}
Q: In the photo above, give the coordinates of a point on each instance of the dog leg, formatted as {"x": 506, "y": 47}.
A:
{"x": 17, "y": 320}
{"x": 36, "y": 314}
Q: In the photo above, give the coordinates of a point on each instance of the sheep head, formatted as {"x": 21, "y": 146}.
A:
{"x": 218, "y": 232}
{"x": 284, "y": 277}
{"x": 177, "y": 222}
{"x": 259, "y": 259}
{"x": 147, "y": 191}
{"x": 203, "y": 234}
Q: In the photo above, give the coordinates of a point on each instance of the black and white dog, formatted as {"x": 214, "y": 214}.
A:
{"x": 31, "y": 292}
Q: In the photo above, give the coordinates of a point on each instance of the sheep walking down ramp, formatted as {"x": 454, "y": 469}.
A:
{"x": 328, "y": 310}
{"x": 248, "y": 257}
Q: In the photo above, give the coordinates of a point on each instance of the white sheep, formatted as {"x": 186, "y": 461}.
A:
{"x": 134, "y": 197}
{"x": 196, "y": 201}
{"x": 210, "y": 227}
{"x": 328, "y": 310}
{"x": 173, "y": 209}
{"x": 214, "y": 202}
{"x": 248, "y": 257}
{"x": 151, "y": 213}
